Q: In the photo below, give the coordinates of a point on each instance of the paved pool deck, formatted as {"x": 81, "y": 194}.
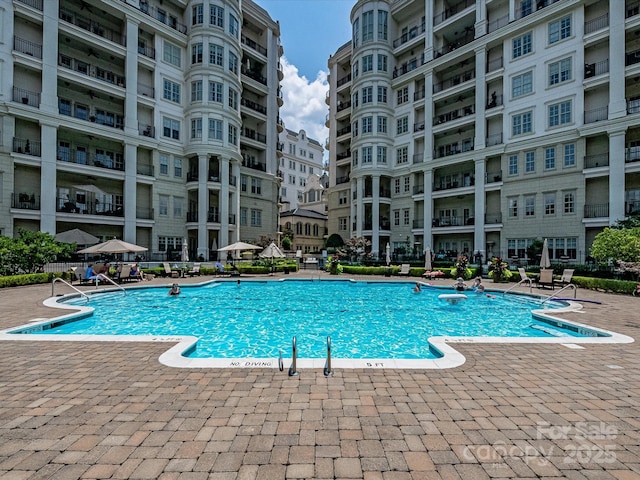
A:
{"x": 98, "y": 410}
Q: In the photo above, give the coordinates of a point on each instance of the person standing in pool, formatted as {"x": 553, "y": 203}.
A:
{"x": 460, "y": 286}
{"x": 175, "y": 290}
{"x": 417, "y": 289}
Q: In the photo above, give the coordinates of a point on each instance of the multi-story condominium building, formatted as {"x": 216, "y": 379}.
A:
{"x": 479, "y": 126}
{"x": 153, "y": 121}
{"x": 300, "y": 156}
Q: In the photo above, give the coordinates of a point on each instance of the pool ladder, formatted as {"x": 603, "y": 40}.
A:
{"x": 293, "y": 372}
{"x": 568, "y": 285}
{"x": 53, "y": 287}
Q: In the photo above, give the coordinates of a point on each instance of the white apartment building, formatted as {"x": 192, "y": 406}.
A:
{"x": 300, "y": 156}
{"x": 153, "y": 121}
{"x": 479, "y": 126}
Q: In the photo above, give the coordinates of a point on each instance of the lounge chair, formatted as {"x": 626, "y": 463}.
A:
{"x": 546, "y": 279}
{"x": 79, "y": 274}
{"x": 523, "y": 276}
{"x": 218, "y": 269}
{"x": 404, "y": 269}
{"x": 567, "y": 275}
{"x": 433, "y": 274}
{"x": 168, "y": 272}
{"x": 195, "y": 270}
{"x": 123, "y": 274}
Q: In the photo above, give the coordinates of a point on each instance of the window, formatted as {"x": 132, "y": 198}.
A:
{"x": 367, "y": 63}
{"x": 243, "y": 183}
{"x": 233, "y": 99}
{"x": 244, "y": 214}
{"x": 197, "y": 14}
{"x": 405, "y": 216}
{"x": 216, "y": 55}
{"x": 367, "y": 26}
{"x": 170, "y": 128}
{"x": 563, "y": 247}
{"x": 196, "y": 53}
{"x": 355, "y": 99}
{"x": 292, "y": 179}
{"x": 529, "y": 205}
{"x": 367, "y": 95}
{"x": 402, "y": 155}
{"x": 513, "y": 207}
{"x": 292, "y": 165}
{"x": 367, "y": 125}
{"x": 177, "y": 206}
{"x": 560, "y": 29}
{"x": 256, "y": 186}
{"x": 343, "y": 197}
{"x": 382, "y": 63}
{"x": 569, "y": 202}
{"x": 521, "y": 123}
{"x": 196, "y": 91}
{"x": 171, "y": 91}
{"x": 215, "y": 92}
{"x": 570, "y": 155}
{"x": 164, "y": 164}
{"x": 163, "y": 203}
{"x": 171, "y": 54}
{"x": 396, "y": 186}
{"x": 522, "y": 45}
{"x": 354, "y": 129}
{"x": 342, "y": 223}
{"x": 292, "y": 151}
{"x": 382, "y": 155}
{"x": 367, "y": 155}
{"x": 530, "y": 162}
{"x": 215, "y": 129}
{"x": 518, "y": 247}
{"x": 233, "y": 26}
{"x": 407, "y": 184}
{"x": 233, "y": 135}
{"x": 402, "y": 125}
{"x": 233, "y": 62}
{"x": 560, "y": 113}
{"x": 216, "y": 16}
{"x": 382, "y": 94}
{"x": 355, "y": 33}
{"x": 354, "y": 158}
{"x": 403, "y": 95}
{"x": 383, "y": 24}
{"x": 549, "y": 203}
{"x": 560, "y": 71}
{"x": 522, "y": 84}
{"x": 549, "y": 158}
{"x": 196, "y": 128}
{"x": 396, "y": 218}
{"x": 513, "y": 164}
{"x": 382, "y": 124}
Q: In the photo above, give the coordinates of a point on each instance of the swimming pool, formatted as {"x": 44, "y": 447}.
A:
{"x": 258, "y": 320}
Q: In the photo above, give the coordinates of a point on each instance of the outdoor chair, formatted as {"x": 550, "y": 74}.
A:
{"x": 168, "y": 272}
{"x": 195, "y": 270}
{"x": 546, "y": 279}
{"x": 523, "y": 276}
{"x": 567, "y": 275}
{"x": 404, "y": 269}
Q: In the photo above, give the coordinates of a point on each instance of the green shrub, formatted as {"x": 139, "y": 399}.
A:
{"x": 606, "y": 284}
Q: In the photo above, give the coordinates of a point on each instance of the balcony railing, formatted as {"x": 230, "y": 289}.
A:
{"x": 492, "y": 218}
{"x": 495, "y": 139}
{"x": 453, "y": 148}
{"x": 452, "y": 221}
{"x": 595, "y": 69}
{"x": 455, "y": 80}
{"x": 596, "y": 24}
{"x": 418, "y": 157}
{"x": 451, "y": 46}
{"x": 595, "y": 161}
{"x": 495, "y": 64}
{"x": 633, "y": 106}
{"x": 93, "y": 71}
{"x": 253, "y": 45}
{"x": 451, "y": 11}
{"x": 253, "y": 106}
{"x": 419, "y": 94}
{"x": 343, "y": 80}
{"x": 418, "y": 189}
{"x": 37, "y": 4}
{"x": 632, "y": 208}
{"x": 26, "y": 97}
{"x": 410, "y": 34}
{"x": 596, "y": 115}
{"x": 28, "y": 48}
{"x": 454, "y": 115}
{"x": 146, "y": 90}
{"x": 146, "y": 130}
{"x": 448, "y": 182}
{"x": 343, "y": 131}
{"x": 408, "y": 66}
{"x": 598, "y": 210}
{"x": 495, "y": 101}
{"x": 498, "y": 23}
{"x": 25, "y": 201}
{"x": 343, "y": 155}
{"x": 343, "y": 105}
{"x": 632, "y": 154}
{"x": 81, "y": 111}
{"x": 161, "y": 16}
{"x": 632, "y": 58}
{"x": 143, "y": 169}
{"x": 110, "y": 161}
{"x": 192, "y": 216}
{"x": 418, "y": 223}
{"x": 92, "y": 26}
{"x": 144, "y": 213}
{"x": 343, "y": 179}
{"x": 253, "y": 135}
{"x": 493, "y": 176}
{"x": 633, "y": 9}
{"x": 26, "y": 146}
{"x": 258, "y": 77}
{"x": 147, "y": 51}
{"x": 254, "y": 165}
{"x": 89, "y": 208}
{"x": 418, "y": 127}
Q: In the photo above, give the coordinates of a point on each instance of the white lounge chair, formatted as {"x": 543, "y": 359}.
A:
{"x": 546, "y": 279}
{"x": 404, "y": 269}
{"x": 195, "y": 270}
{"x": 567, "y": 275}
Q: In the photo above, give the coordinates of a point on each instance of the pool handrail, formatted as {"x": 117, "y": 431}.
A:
{"x": 58, "y": 279}
{"x": 555, "y": 294}
{"x": 328, "y": 372}
{"x": 104, "y": 277}
{"x": 518, "y": 284}
{"x": 294, "y": 355}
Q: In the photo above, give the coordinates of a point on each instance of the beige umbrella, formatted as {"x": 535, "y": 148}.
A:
{"x": 114, "y": 246}
{"x": 388, "y": 254}
{"x": 272, "y": 251}
{"x": 427, "y": 260}
{"x": 77, "y": 236}
{"x": 238, "y": 246}
{"x": 544, "y": 258}
{"x": 185, "y": 251}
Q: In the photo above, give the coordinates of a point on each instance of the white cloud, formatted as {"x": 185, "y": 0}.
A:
{"x": 304, "y": 105}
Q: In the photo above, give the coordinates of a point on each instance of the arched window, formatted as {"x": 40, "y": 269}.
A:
{"x": 307, "y": 229}
{"x": 299, "y": 228}
{"x": 316, "y": 230}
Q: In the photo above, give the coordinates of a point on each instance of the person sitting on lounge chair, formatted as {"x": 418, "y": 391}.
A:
{"x": 136, "y": 272}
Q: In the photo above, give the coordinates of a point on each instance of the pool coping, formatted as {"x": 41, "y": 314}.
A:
{"x": 173, "y": 357}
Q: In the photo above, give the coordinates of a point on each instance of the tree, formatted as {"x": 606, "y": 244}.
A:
{"x": 334, "y": 241}
{"x": 617, "y": 244}
{"x": 30, "y": 252}
{"x": 355, "y": 248}
{"x": 286, "y": 243}
{"x": 535, "y": 249}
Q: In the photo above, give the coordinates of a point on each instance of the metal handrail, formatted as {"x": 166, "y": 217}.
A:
{"x": 294, "y": 355}
{"x": 58, "y": 279}
{"x": 517, "y": 284}
{"x": 328, "y": 372}
{"x": 568, "y": 285}
{"x": 104, "y": 277}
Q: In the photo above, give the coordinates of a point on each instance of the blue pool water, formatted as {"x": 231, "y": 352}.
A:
{"x": 259, "y": 319}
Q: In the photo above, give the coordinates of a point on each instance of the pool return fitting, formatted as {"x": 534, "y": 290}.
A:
{"x": 328, "y": 372}
{"x": 294, "y": 355}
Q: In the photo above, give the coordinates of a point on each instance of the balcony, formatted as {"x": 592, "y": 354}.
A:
{"x": 258, "y": 77}
{"x": 633, "y": 9}
{"x": 63, "y": 205}
{"x": 418, "y": 189}
{"x": 144, "y": 213}
{"x": 418, "y": 127}
{"x": 596, "y": 24}
{"x": 108, "y": 160}
{"x": 453, "y": 148}
{"x": 448, "y": 182}
{"x": 253, "y": 164}
{"x": 28, "y": 48}
{"x": 37, "y": 4}
{"x": 26, "y": 147}
{"x": 253, "y": 135}
{"x": 160, "y": 15}
{"x": 633, "y": 106}
{"x": 143, "y": 169}
{"x": 192, "y": 216}
{"x": 492, "y": 218}
{"x": 455, "y": 80}
{"x": 146, "y": 90}
{"x": 493, "y": 177}
{"x": 453, "y": 115}
{"x": 495, "y": 64}
{"x": 595, "y": 69}
{"x": 460, "y": 42}
{"x": 81, "y": 111}
{"x": 343, "y": 105}
{"x": 495, "y": 139}
{"x": 149, "y": 52}
{"x": 410, "y": 34}
{"x": 146, "y": 130}
{"x": 595, "y": 161}
{"x": 631, "y": 154}
{"x": 253, "y": 106}
{"x": 253, "y": 45}
{"x": 91, "y": 26}
{"x": 344, "y": 179}
{"x": 213, "y": 215}
{"x": 498, "y": 23}
{"x": 26, "y": 97}
{"x": 451, "y": 11}
{"x": 408, "y": 66}
{"x": 596, "y": 115}
{"x": 343, "y": 131}
{"x": 494, "y": 101}
{"x": 598, "y": 210}
{"x": 418, "y": 223}
{"x": 418, "y": 157}
{"x": 93, "y": 71}
{"x": 25, "y": 201}
{"x": 452, "y": 221}
{"x": 343, "y": 80}
{"x": 632, "y": 58}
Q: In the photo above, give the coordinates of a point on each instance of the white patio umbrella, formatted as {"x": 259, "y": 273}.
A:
{"x": 185, "y": 251}
{"x": 544, "y": 258}
{"x": 114, "y": 246}
{"x": 272, "y": 251}
{"x": 77, "y": 236}
{"x": 239, "y": 246}
{"x": 427, "y": 259}
{"x": 388, "y": 253}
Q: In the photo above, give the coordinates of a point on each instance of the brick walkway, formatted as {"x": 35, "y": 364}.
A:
{"x": 111, "y": 410}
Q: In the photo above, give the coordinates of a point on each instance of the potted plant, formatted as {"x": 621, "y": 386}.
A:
{"x": 499, "y": 270}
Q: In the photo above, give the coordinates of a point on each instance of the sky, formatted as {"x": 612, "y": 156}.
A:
{"x": 310, "y": 31}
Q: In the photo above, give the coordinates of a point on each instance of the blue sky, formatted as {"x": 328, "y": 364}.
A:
{"x": 310, "y": 31}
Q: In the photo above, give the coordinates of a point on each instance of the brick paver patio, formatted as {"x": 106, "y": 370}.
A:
{"x": 94, "y": 410}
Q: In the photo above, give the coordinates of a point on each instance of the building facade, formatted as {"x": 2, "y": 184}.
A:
{"x": 154, "y": 121}
{"x": 480, "y": 126}
{"x": 300, "y": 156}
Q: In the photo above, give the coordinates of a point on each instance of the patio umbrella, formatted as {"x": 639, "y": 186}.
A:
{"x": 185, "y": 251}
{"x": 272, "y": 251}
{"x": 544, "y": 258}
{"x": 114, "y": 246}
{"x": 234, "y": 247}
{"x": 77, "y": 236}
{"x": 427, "y": 260}
{"x": 388, "y": 253}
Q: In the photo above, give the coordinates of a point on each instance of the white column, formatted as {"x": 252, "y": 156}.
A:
{"x": 48, "y": 179}
{"x": 428, "y": 209}
{"x": 617, "y": 102}
{"x": 478, "y": 231}
{"x": 131, "y": 76}
{"x": 130, "y": 193}
{"x": 49, "y": 95}
{"x": 225, "y": 173}
{"x": 203, "y": 205}
{"x": 359, "y": 206}
{"x": 481, "y": 18}
{"x": 428, "y": 115}
{"x": 616, "y": 176}
{"x": 481, "y": 99}
{"x": 375, "y": 215}
{"x": 352, "y": 209}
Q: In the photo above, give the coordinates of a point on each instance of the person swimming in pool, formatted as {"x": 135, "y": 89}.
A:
{"x": 460, "y": 286}
{"x": 417, "y": 289}
{"x": 175, "y": 290}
